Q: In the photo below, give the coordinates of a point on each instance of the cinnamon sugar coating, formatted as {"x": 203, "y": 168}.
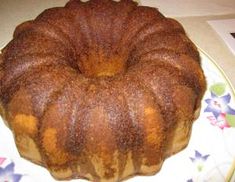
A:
{"x": 101, "y": 90}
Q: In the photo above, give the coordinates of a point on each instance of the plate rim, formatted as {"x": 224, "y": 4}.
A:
{"x": 201, "y": 51}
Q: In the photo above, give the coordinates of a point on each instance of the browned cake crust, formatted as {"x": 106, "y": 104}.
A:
{"x": 101, "y": 90}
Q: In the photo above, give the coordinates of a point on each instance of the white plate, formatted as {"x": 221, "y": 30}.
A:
{"x": 208, "y": 157}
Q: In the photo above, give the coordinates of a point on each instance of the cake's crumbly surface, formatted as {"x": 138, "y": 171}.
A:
{"x": 101, "y": 90}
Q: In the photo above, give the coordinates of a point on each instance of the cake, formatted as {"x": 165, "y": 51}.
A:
{"x": 100, "y": 90}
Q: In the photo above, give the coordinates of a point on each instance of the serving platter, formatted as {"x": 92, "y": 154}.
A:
{"x": 209, "y": 156}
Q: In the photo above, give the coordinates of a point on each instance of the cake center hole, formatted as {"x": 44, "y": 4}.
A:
{"x": 96, "y": 67}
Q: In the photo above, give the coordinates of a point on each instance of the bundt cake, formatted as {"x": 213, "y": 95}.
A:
{"x": 100, "y": 90}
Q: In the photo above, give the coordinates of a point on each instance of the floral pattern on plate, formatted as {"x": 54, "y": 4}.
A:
{"x": 222, "y": 115}
{"x": 7, "y": 172}
{"x": 199, "y": 160}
